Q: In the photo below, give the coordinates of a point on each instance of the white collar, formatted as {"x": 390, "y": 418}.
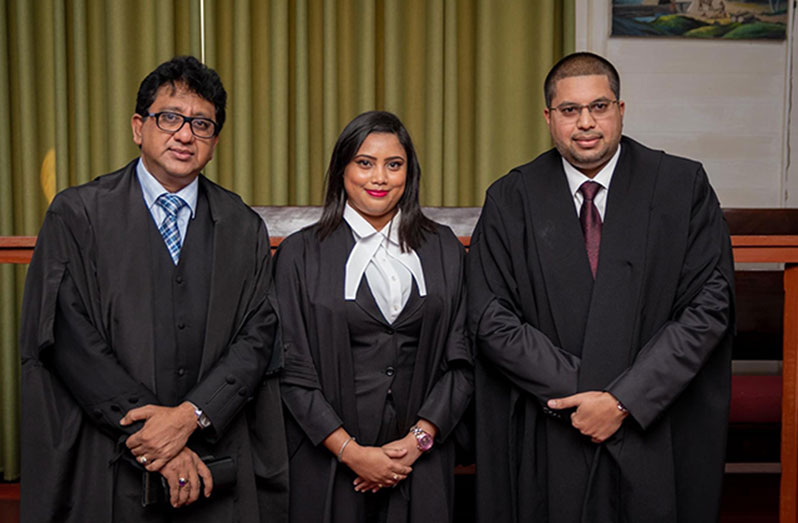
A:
{"x": 576, "y": 178}
{"x": 363, "y": 229}
{"x": 151, "y": 188}
{"x": 367, "y": 241}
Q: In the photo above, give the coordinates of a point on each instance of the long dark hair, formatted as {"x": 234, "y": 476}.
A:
{"x": 414, "y": 225}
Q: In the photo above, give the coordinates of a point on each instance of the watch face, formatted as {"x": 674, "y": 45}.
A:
{"x": 424, "y": 442}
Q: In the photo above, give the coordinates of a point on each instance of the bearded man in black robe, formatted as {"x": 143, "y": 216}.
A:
{"x": 148, "y": 328}
{"x": 603, "y": 316}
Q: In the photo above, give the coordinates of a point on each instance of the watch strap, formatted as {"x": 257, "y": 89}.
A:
{"x": 203, "y": 422}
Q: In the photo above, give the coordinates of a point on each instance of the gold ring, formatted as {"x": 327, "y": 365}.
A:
{"x": 395, "y": 477}
{"x": 143, "y": 460}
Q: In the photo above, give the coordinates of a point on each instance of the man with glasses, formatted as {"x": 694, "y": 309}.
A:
{"x": 600, "y": 297}
{"x": 148, "y": 331}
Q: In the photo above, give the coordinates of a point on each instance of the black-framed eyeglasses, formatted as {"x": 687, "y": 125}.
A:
{"x": 173, "y": 122}
{"x": 597, "y": 109}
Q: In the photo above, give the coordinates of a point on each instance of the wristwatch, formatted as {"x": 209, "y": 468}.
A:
{"x": 423, "y": 440}
{"x": 203, "y": 422}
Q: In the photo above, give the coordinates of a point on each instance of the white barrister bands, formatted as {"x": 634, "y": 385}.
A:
{"x": 388, "y": 270}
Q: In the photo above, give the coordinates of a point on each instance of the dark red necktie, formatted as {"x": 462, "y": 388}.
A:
{"x": 591, "y": 223}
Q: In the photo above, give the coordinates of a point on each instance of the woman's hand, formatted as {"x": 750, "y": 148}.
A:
{"x": 400, "y": 451}
{"x": 376, "y": 467}
{"x": 404, "y": 451}
{"x": 410, "y": 445}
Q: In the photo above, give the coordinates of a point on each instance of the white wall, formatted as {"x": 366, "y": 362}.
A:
{"x": 720, "y": 102}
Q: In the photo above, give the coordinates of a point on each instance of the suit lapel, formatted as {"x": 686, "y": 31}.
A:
{"x": 365, "y": 300}
{"x": 414, "y": 302}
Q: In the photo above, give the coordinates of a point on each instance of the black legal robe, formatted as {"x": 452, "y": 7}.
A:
{"x": 318, "y": 381}
{"x": 93, "y": 255}
{"x": 654, "y": 329}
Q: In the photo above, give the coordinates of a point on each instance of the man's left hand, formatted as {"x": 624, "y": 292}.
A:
{"x": 597, "y": 414}
{"x": 183, "y": 473}
{"x": 164, "y": 434}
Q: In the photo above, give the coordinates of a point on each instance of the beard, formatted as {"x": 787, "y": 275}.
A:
{"x": 589, "y": 159}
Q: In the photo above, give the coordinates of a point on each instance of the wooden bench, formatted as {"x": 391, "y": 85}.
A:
{"x": 764, "y": 402}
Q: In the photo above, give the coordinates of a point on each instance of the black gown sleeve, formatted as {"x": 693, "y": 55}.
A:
{"x": 673, "y": 357}
{"x": 87, "y": 365}
{"x": 300, "y": 385}
{"x": 234, "y": 378}
{"x": 448, "y": 399}
{"x": 701, "y": 318}
{"x": 525, "y": 355}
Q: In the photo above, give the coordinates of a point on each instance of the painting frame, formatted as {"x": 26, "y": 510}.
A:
{"x": 701, "y": 19}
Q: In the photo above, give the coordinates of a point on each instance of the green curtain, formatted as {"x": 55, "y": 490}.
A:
{"x": 465, "y": 76}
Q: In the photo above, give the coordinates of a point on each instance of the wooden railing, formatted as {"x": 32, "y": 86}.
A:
{"x": 16, "y": 249}
{"x": 758, "y": 236}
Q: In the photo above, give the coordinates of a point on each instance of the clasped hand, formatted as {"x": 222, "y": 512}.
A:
{"x": 597, "y": 414}
{"x": 384, "y": 466}
{"x": 164, "y": 434}
{"x": 188, "y": 466}
{"x": 162, "y": 441}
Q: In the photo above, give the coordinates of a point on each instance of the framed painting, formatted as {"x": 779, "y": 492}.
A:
{"x": 752, "y": 19}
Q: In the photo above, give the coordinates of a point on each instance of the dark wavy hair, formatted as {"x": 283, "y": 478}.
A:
{"x": 414, "y": 225}
{"x": 581, "y": 64}
{"x": 188, "y": 71}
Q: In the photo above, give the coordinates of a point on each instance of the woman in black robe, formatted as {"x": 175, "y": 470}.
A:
{"x": 378, "y": 369}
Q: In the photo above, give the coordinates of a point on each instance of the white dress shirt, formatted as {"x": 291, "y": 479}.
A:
{"x": 603, "y": 178}
{"x": 378, "y": 255}
{"x": 151, "y": 189}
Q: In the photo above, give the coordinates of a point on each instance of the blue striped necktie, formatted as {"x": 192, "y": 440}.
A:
{"x": 171, "y": 205}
